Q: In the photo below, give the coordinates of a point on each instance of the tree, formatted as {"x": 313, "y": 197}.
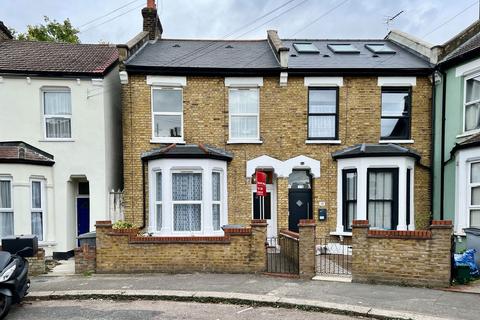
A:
{"x": 52, "y": 31}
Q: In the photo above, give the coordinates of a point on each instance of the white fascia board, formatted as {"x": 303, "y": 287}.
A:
{"x": 397, "y": 81}
{"x": 323, "y": 81}
{"x": 171, "y": 81}
{"x": 244, "y": 81}
{"x": 468, "y": 68}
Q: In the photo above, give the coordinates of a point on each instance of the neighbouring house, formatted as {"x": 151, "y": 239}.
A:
{"x": 342, "y": 129}
{"x": 60, "y": 139}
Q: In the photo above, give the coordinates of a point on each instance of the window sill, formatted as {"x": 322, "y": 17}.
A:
{"x": 468, "y": 133}
{"x": 397, "y": 141}
{"x": 343, "y": 233}
{"x": 168, "y": 141}
{"x": 244, "y": 142}
{"x": 47, "y": 243}
{"x": 323, "y": 141}
{"x": 57, "y": 140}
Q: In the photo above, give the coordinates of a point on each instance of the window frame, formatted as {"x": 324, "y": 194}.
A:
{"x": 388, "y": 89}
{"x": 174, "y": 202}
{"x": 219, "y": 201}
{"x": 41, "y": 209}
{"x": 163, "y": 113}
{"x": 470, "y": 186}
{"x": 336, "y": 114}
{"x": 345, "y": 201}
{"x": 230, "y": 115}
{"x": 395, "y": 195}
{"x": 11, "y": 209}
{"x": 45, "y": 116}
{"x": 156, "y": 201}
{"x": 471, "y": 131}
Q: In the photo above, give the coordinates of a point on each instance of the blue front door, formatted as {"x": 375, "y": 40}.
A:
{"x": 83, "y": 215}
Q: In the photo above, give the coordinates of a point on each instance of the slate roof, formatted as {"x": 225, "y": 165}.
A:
{"x": 196, "y": 151}
{"x": 366, "y": 59}
{"x": 21, "y": 152}
{"x": 462, "y": 50}
{"x": 39, "y": 57}
{"x": 5, "y": 30}
{"x": 218, "y": 54}
{"x": 375, "y": 150}
{"x": 470, "y": 142}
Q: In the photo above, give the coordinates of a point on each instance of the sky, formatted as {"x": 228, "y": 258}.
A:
{"x": 432, "y": 20}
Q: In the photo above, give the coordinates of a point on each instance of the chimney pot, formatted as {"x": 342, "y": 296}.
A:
{"x": 151, "y": 4}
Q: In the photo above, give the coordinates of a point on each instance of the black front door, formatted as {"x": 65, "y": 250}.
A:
{"x": 299, "y": 207}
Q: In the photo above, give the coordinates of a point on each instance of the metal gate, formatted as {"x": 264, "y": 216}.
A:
{"x": 282, "y": 254}
{"x": 333, "y": 256}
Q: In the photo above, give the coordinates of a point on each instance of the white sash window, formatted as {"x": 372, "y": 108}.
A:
{"x": 37, "y": 208}
{"x": 6, "y": 208}
{"x": 57, "y": 111}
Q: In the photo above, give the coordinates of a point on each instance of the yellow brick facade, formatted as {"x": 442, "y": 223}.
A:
{"x": 283, "y": 130}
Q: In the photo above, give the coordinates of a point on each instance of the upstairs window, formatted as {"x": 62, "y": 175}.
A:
{"x": 379, "y": 48}
{"x": 396, "y": 105}
{"x": 472, "y": 103}
{"x": 305, "y": 47}
{"x": 57, "y": 111}
{"x": 322, "y": 113}
{"x": 167, "y": 114}
{"x": 244, "y": 114}
{"x": 6, "y": 208}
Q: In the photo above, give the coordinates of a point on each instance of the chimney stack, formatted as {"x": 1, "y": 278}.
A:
{"x": 279, "y": 49}
{"x": 151, "y": 21}
{"x": 5, "y": 34}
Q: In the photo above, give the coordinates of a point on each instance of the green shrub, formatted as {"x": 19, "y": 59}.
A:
{"x": 124, "y": 225}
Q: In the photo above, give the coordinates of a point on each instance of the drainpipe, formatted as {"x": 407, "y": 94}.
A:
{"x": 432, "y": 147}
{"x": 442, "y": 156}
{"x": 143, "y": 197}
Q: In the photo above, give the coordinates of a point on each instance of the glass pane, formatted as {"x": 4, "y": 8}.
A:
{"x": 351, "y": 213}
{"x": 343, "y": 47}
{"x": 475, "y": 218}
{"x": 167, "y": 126}
{"x": 395, "y": 104}
{"x": 5, "y": 194}
{"x": 351, "y": 178}
{"x": 159, "y": 217}
{"x": 475, "y": 201}
{"x": 83, "y": 188}
{"x": 475, "y": 172}
{"x": 244, "y": 127}
{"x": 167, "y": 100}
{"x": 380, "y": 185}
{"x": 186, "y": 186}
{"x": 243, "y": 101}
{"x": 36, "y": 194}
{"x": 216, "y": 186}
{"x": 321, "y": 126}
{"x": 305, "y": 47}
{"x": 159, "y": 186}
{"x": 58, "y": 128}
{"x": 37, "y": 225}
{"x": 299, "y": 179}
{"x": 267, "y": 206}
{"x": 380, "y": 214}
{"x": 322, "y": 101}
{"x": 472, "y": 117}
{"x": 57, "y": 103}
{"x": 6, "y": 224}
{"x": 216, "y": 216}
{"x": 379, "y": 48}
{"x": 394, "y": 128}
{"x": 473, "y": 89}
{"x": 187, "y": 217}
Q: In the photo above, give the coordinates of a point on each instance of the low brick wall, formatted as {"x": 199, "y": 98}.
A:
{"x": 240, "y": 250}
{"x": 36, "y": 264}
{"x": 85, "y": 259}
{"x": 415, "y": 258}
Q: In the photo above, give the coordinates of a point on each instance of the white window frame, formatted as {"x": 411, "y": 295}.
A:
{"x": 465, "y": 104}
{"x": 45, "y": 116}
{"x": 471, "y": 185}
{"x": 219, "y": 202}
{"x": 230, "y": 115}
{"x": 156, "y": 139}
{"x": 11, "y": 209}
{"x": 42, "y": 204}
{"x": 158, "y": 202}
{"x": 200, "y": 202}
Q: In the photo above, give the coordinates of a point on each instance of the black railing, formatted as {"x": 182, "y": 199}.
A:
{"x": 333, "y": 256}
{"x": 282, "y": 254}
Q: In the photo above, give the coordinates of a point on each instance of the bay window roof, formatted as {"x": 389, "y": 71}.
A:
{"x": 470, "y": 142}
{"x": 195, "y": 151}
{"x": 21, "y": 152}
{"x": 375, "y": 150}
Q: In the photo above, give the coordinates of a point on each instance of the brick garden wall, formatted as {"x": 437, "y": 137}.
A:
{"x": 283, "y": 130}
{"x": 36, "y": 264}
{"x": 85, "y": 259}
{"x": 241, "y": 250}
{"x": 416, "y": 258}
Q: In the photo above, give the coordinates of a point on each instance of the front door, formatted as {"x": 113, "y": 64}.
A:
{"x": 83, "y": 215}
{"x": 269, "y": 210}
{"x": 299, "y": 207}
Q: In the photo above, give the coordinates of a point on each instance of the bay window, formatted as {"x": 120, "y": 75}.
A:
{"x": 349, "y": 184}
{"x": 37, "y": 208}
{"x": 167, "y": 114}
{"x": 382, "y": 206}
{"x": 474, "y": 191}
{"x": 6, "y": 208}
{"x": 244, "y": 114}
{"x": 472, "y": 103}
{"x": 57, "y": 112}
{"x": 323, "y": 113}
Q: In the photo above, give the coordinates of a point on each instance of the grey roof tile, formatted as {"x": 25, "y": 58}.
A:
{"x": 375, "y": 150}
{"x": 21, "y": 152}
{"x": 470, "y": 45}
{"x": 188, "y": 151}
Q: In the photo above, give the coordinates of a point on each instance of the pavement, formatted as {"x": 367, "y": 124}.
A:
{"x": 376, "y": 301}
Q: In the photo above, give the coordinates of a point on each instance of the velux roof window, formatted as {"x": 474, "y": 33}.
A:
{"x": 379, "y": 48}
{"x": 343, "y": 48}
{"x": 305, "y": 47}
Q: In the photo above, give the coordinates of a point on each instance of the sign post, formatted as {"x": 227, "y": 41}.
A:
{"x": 261, "y": 178}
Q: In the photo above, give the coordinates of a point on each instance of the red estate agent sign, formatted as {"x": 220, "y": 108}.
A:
{"x": 261, "y": 183}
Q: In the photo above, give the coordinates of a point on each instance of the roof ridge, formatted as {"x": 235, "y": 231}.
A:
{"x": 215, "y": 40}
{"x": 63, "y": 43}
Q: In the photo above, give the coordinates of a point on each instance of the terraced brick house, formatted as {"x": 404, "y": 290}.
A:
{"x": 342, "y": 129}
{"x": 60, "y": 139}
